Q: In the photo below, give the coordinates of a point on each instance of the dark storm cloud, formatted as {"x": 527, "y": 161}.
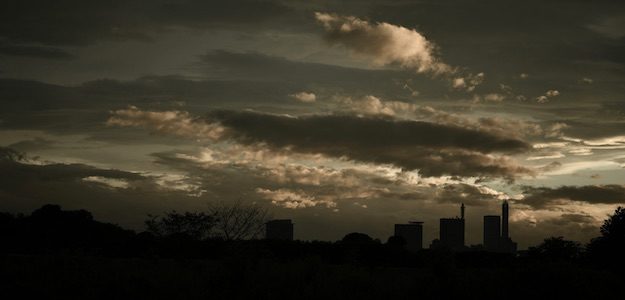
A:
{"x": 350, "y": 131}
{"x": 34, "y": 51}
{"x": 434, "y": 149}
{"x": 74, "y": 22}
{"x": 541, "y": 197}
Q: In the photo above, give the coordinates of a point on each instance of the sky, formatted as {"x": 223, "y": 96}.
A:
{"x": 344, "y": 116}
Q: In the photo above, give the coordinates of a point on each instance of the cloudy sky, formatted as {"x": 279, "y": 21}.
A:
{"x": 341, "y": 115}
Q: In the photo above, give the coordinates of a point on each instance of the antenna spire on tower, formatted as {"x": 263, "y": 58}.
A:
{"x": 462, "y": 211}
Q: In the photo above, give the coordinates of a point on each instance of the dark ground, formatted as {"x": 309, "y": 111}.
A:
{"x": 62, "y": 276}
{"x": 56, "y": 254}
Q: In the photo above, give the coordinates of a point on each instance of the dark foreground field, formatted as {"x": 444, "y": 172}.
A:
{"x": 56, "y": 254}
{"x": 45, "y": 276}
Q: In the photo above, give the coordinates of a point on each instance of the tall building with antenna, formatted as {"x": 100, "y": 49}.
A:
{"x": 496, "y": 232}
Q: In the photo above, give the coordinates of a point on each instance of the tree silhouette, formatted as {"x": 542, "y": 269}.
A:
{"x": 194, "y": 225}
{"x": 556, "y": 248}
{"x": 51, "y": 229}
{"x": 614, "y": 227}
{"x": 396, "y": 241}
{"x": 609, "y": 247}
{"x": 229, "y": 221}
{"x": 357, "y": 238}
{"x": 238, "y": 220}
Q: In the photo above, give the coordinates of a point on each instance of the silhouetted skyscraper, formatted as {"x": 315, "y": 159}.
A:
{"x": 279, "y": 230}
{"x": 498, "y": 239}
{"x": 504, "y": 220}
{"x": 506, "y": 244}
{"x": 492, "y": 233}
{"x": 412, "y": 233}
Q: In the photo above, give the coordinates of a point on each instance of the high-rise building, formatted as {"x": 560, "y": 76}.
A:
{"x": 492, "y": 233}
{"x": 279, "y": 230}
{"x": 412, "y": 233}
{"x": 496, "y": 232}
{"x": 506, "y": 244}
{"x": 504, "y": 220}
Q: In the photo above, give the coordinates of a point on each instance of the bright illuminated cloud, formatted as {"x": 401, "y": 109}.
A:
{"x": 388, "y": 44}
{"x": 548, "y": 95}
{"x": 178, "y": 123}
{"x": 305, "y": 97}
{"x": 385, "y": 43}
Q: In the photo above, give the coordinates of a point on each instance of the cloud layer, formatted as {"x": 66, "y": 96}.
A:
{"x": 178, "y": 123}
{"x": 540, "y": 197}
{"x": 434, "y": 149}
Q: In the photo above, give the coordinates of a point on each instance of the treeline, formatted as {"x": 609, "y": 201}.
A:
{"x": 235, "y": 230}
{"x": 217, "y": 254}
{"x": 222, "y": 232}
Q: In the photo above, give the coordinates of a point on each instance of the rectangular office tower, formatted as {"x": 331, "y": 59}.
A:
{"x": 452, "y": 233}
{"x": 492, "y": 233}
{"x": 279, "y": 230}
{"x": 412, "y": 233}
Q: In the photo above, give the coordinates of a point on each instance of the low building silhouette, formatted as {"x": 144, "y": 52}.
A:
{"x": 412, "y": 233}
{"x": 452, "y": 232}
{"x": 279, "y": 230}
